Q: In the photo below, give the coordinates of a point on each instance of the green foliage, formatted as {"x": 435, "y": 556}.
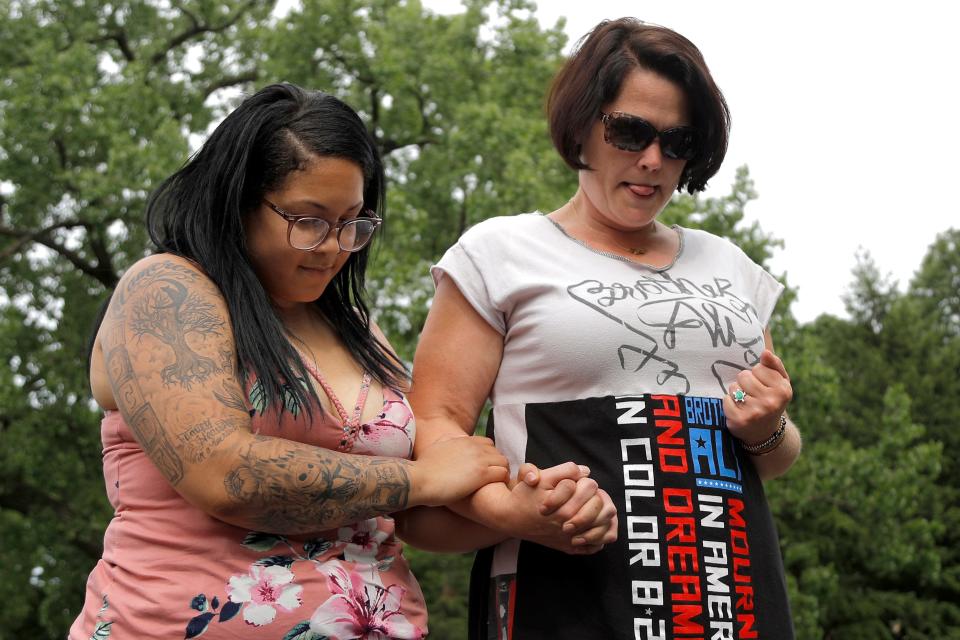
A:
{"x": 101, "y": 100}
{"x": 445, "y": 580}
{"x": 868, "y": 515}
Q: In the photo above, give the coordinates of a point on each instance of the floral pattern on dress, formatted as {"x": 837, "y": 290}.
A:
{"x": 391, "y": 433}
{"x": 363, "y": 540}
{"x": 103, "y": 629}
{"x": 360, "y": 604}
{"x": 263, "y": 591}
{"x": 360, "y": 608}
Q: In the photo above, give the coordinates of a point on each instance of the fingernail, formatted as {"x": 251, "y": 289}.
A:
{"x": 584, "y": 469}
{"x": 531, "y": 477}
{"x": 568, "y": 527}
{"x": 578, "y": 540}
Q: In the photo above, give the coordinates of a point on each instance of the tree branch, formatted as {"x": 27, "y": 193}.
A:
{"x": 365, "y": 78}
{"x": 15, "y": 247}
{"x": 61, "y": 152}
{"x": 120, "y": 37}
{"x": 389, "y": 145}
{"x": 188, "y": 13}
{"x": 100, "y": 272}
{"x": 199, "y": 28}
{"x": 229, "y": 81}
{"x": 422, "y": 104}
{"x": 26, "y": 237}
{"x": 104, "y": 259}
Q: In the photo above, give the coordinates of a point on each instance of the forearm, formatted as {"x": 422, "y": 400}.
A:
{"x": 778, "y": 462}
{"x": 440, "y": 530}
{"x": 281, "y": 486}
{"x": 485, "y": 507}
{"x": 519, "y": 512}
{"x": 510, "y": 512}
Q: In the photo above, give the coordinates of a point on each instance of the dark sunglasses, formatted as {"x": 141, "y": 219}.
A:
{"x": 633, "y": 133}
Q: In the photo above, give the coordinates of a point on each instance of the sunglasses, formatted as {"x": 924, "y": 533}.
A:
{"x": 633, "y": 133}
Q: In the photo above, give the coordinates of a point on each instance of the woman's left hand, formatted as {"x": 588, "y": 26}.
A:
{"x": 768, "y": 392}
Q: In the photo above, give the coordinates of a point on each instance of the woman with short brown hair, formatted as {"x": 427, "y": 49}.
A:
{"x": 642, "y": 351}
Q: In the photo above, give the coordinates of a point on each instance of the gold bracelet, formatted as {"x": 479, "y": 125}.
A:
{"x": 771, "y": 443}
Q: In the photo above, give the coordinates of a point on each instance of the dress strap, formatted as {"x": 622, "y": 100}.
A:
{"x": 351, "y": 425}
{"x": 352, "y": 429}
{"x": 344, "y": 416}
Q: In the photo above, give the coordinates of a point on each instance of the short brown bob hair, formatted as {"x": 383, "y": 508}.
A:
{"x": 593, "y": 75}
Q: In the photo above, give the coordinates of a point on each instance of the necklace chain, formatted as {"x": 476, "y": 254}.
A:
{"x": 635, "y": 251}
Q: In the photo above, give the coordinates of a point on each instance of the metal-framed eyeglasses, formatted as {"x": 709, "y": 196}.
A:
{"x": 306, "y": 233}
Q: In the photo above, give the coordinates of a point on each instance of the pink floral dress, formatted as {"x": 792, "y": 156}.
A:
{"x": 169, "y": 570}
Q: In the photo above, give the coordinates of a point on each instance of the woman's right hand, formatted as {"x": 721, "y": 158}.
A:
{"x": 452, "y": 468}
{"x": 561, "y": 508}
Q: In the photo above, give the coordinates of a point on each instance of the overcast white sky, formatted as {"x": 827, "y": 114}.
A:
{"x": 847, "y": 113}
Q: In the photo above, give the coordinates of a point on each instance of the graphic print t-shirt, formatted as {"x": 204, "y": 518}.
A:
{"x": 623, "y": 367}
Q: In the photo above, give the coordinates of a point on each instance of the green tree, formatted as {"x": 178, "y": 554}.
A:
{"x": 869, "y": 515}
{"x": 100, "y": 100}
{"x": 860, "y": 526}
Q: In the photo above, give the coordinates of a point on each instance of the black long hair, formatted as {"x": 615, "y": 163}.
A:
{"x": 198, "y": 213}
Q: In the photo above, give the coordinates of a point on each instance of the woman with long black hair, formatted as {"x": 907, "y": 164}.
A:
{"x": 256, "y": 434}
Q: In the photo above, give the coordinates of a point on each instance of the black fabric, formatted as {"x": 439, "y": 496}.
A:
{"x": 477, "y": 622}
{"x": 712, "y": 522}
{"x": 480, "y": 600}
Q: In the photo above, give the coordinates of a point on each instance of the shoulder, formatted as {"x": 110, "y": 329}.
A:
{"x": 381, "y": 337}
{"x": 499, "y": 242}
{"x": 162, "y": 268}
{"x": 503, "y": 229}
{"x": 164, "y": 293}
{"x": 702, "y": 242}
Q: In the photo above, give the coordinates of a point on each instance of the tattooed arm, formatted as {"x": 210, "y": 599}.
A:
{"x": 169, "y": 355}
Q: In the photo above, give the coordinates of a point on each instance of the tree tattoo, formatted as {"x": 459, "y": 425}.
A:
{"x": 170, "y": 313}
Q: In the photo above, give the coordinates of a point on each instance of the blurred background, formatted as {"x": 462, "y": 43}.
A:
{"x": 841, "y": 162}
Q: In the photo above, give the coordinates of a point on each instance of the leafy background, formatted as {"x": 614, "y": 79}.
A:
{"x": 99, "y": 100}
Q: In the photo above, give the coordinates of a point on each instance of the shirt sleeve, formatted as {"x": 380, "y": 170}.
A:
{"x": 473, "y": 275}
{"x": 766, "y": 295}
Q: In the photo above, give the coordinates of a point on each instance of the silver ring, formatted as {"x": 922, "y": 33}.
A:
{"x": 739, "y": 395}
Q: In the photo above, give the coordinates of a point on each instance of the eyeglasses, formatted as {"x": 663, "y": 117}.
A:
{"x": 633, "y": 133}
{"x": 307, "y": 233}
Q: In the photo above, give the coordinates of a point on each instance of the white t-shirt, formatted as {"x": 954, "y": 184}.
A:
{"x": 621, "y": 366}
{"x": 579, "y": 323}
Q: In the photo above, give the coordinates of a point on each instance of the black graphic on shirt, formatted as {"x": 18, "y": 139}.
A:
{"x": 697, "y": 553}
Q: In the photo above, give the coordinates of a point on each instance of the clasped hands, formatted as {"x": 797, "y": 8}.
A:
{"x": 561, "y": 507}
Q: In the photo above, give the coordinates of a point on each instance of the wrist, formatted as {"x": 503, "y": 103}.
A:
{"x": 489, "y": 506}
{"x": 769, "y": 444}
{"x": 420, "y": 485}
